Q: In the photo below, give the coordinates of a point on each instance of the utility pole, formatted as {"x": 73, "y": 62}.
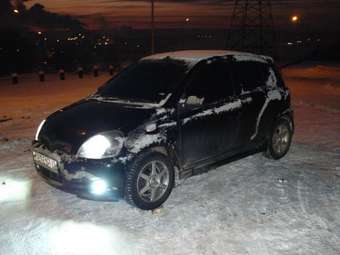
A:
{"x": 152, "y": 26}
{"x": 252, "y": 27}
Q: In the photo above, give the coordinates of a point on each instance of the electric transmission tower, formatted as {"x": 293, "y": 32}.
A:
{"x": 252, "y": 27}
{"x": 152, "y": 26}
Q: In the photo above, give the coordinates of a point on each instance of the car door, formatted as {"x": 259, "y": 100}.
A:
{"x": 210, "y": 115}
{"x": 250, "y": 84}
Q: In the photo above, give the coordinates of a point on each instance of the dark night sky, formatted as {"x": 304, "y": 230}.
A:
{"x": 202, "y": 13}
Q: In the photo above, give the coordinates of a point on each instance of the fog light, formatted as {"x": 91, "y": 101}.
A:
{"x": 98, "y": 187}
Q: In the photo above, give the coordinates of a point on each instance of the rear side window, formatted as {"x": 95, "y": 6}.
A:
{"x": 250, "y": 75}
{"x": 211, "y": 82}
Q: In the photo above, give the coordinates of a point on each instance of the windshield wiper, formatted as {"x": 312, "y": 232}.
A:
{"x": 123, "y": 101}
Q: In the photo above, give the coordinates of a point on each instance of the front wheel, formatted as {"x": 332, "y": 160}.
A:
{"x": 279, "y": 140}
{"x": 149, "y": 181}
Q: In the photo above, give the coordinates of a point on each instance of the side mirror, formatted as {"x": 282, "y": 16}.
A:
{"x": 194, "y": 101}
{"x": 190, "y": 103}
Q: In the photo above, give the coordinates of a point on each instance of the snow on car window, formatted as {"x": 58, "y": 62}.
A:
{"x": 272, "y": 81}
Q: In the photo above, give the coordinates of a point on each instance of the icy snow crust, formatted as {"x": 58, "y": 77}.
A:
{"x": 217, "y": 110}
{"x": 251, "y": 206}
{"x": 150, "y": 133}
{"x": 274, "y": 94}
{"x": 144, "y": 140}
{"x": 131, "y": 103}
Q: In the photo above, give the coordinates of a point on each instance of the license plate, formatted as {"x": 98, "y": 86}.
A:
{"x": 45, "y": 161}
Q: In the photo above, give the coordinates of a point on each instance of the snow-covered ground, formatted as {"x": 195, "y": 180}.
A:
{"x": 252, "y": 206}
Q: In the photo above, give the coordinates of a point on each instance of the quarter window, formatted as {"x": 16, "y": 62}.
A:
{"x": 250, "y": 75}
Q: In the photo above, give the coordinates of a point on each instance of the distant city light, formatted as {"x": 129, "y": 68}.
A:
{"x": 39, "y": 33}
{"x": 72, "y": 38}
{"x": 187, "y": 19}
{"x": 16, "y": 11}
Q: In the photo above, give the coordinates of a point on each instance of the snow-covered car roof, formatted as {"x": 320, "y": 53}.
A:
{"x": 195, "y": 56}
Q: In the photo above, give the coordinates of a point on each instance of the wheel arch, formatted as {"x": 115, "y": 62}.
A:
{"x": 166, "y": 150}
{"x": 288, "y": 115}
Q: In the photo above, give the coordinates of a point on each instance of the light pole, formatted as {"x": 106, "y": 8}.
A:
{"x": 295, "y": 20}
{"x": 152, "y": 26}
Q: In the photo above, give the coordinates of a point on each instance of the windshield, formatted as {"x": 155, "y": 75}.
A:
{"x": 148, "y": 81}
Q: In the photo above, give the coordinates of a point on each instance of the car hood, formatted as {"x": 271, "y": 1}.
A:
{"x": 68, "y": 128}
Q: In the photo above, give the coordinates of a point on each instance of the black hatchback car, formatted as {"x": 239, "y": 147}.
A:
{"x": 166, "y": 117}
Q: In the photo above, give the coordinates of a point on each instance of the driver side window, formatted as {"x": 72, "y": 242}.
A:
{"x": 210, "y": 83}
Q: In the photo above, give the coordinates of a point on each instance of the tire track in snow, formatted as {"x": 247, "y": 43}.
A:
{"x": 300, "y": 198}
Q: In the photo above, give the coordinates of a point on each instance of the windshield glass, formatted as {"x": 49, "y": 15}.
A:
{"x": 148, "y": 81}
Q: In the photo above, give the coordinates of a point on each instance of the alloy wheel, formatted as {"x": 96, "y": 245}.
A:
{"x": 281, "y": 139}
{"x": 153, "y": 181}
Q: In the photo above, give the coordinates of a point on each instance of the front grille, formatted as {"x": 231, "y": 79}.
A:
{"x": 55, "y": 145}
{"x": 48, "y": 174}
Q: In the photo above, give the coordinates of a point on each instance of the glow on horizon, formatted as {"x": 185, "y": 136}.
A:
{"x": 203, "y": 14}
{"x": 136, "y": 13}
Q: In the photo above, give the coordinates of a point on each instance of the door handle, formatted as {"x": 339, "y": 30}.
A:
{"x": 246, "y": 100}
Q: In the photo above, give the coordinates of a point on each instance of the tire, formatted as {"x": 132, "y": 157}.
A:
{"x": 149, "y": 181}
{"x": 279, "y": 140}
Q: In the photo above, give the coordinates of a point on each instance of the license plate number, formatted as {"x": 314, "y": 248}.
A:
{"x": 45, "y": 161}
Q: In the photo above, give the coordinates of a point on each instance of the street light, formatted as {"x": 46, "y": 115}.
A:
{"x": 294, "y": 19}
{"x": 16, "y": 11}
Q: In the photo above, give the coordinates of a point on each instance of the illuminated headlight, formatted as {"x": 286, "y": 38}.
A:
{"x": 98, "y": 187}
{"x": 104, "y": 145}
{"x": 38, "y": 130}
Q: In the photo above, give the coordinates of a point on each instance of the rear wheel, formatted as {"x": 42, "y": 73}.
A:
{"x": 279, "y": 140}
{"x": 149, "y": 181}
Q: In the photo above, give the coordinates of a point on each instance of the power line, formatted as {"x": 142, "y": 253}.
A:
{"x": 252, "y": 27}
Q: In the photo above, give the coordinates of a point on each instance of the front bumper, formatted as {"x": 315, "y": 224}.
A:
{"x": 75, "y": 175}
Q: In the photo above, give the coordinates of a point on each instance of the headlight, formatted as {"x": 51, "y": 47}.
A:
{"x": 38, "y": 130}
{"x": 104, "y": 145}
